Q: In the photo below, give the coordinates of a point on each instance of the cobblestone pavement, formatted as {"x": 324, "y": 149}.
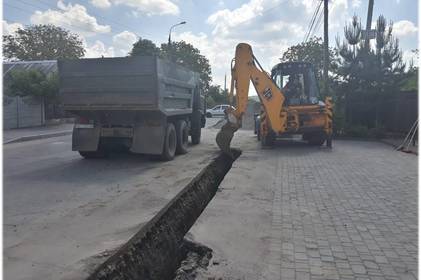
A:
{"x": 350, "y": 213}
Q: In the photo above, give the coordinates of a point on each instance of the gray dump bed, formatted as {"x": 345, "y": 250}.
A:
{"x": 127, "y": 83}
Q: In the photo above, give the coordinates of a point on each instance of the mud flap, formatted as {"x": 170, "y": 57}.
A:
{"x": 85, "y": 139}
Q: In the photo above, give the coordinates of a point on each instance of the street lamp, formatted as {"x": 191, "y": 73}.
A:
{"x": 169, "y": 35}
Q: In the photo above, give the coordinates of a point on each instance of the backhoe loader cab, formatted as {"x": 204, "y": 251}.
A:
{"x": 297, "y": 82}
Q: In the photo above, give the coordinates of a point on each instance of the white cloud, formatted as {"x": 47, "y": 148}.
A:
{"x": 404, "y": 28}
{"x": 151, "y": 7}
{"x": 73, "y": 17}
{"x": 257, "y": 23}
{"x": 408, "y": 56}
{"x": 356, "y": 3}
{"x": 224, "y": 19}
{"x": 10, "y": 28}
{"x": 338, "y": 14}
{"x": 103, "y": 4}
{"x": 98, "y": 49}
{"x": 123, "y": 42}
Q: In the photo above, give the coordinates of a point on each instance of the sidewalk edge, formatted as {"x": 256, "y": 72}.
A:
{"x": 37, "y": 136}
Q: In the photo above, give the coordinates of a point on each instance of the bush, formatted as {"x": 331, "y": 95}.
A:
{"x": 378, "y": 133}
{"x": 357, "y": 131}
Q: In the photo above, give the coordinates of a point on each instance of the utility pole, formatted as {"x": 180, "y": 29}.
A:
{"x": 326, "y": 47}
{"x": 368, "y": 24}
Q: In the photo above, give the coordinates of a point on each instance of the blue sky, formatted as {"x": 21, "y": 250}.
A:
{"x": 109, "y": 27}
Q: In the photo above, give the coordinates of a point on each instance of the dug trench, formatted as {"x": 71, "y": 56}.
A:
{"x": 159, "y": 250}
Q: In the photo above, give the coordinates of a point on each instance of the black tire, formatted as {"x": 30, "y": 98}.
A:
{"x": 208, "y": 115}
{"x": 316, "y": 139}
{"x": 182, "y": 131}
{"x": 92, "y": 154}
{"x": 257, "y": 128}
{"x": 170, "y": 143}
{"x": 268, "y": 140}
{"x": 329, "y": 141}
{"x": 196, "y": 127}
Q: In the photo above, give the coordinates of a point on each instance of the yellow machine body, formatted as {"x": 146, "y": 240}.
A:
{"x": 314, "y": 121}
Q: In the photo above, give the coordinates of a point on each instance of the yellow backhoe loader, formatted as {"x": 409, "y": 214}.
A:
{"x": 289, "y": 100}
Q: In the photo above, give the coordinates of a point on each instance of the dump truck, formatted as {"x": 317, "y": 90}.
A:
{"x": 144, "y": 104}
{"x": 289, "y": 98}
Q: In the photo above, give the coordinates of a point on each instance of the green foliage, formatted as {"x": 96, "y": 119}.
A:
{"x": 410, "y": 82}
{"x": 42, "y": 42}
{"x": 215, "y": 96}
{"x": 368, "y": 70}
{"x": 357, "y": 131}
{"x": 188, "y": 56}
{"x": 181, "y": 53}
{"x": 311, "y": 51}
{"x": 144, "y": 47}
{"x": 368, "y": 75}
{"x": 33, "y": 83}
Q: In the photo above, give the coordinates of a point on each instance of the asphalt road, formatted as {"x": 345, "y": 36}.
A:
{"x": 62, "y": 211}
{"x": 297, "y": 211}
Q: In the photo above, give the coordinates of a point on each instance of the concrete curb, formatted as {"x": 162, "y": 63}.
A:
{"x": 37, "y": 136}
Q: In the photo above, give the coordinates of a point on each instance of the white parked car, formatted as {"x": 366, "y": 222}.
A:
{"x": 218, "y": 110}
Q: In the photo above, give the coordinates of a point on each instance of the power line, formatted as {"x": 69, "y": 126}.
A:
{"x": 318, "y": 24}
{"x": 312, "y": 21}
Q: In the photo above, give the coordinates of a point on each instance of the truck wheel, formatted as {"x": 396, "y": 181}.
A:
{"x": 92, "y": 154}
{"x": 182, "y": 136}
{"x": 170, "y": 143}
{"x": 196, "y": 128}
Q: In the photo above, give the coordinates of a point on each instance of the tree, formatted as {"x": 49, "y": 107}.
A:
{"x": 215, "y": 95}
{"x": 33, "y": 83}
{"x": 369, "y": 74}
{"x": 188, "y": 56}
{"x": 311, "y": 51}
{"x": 411, "y": 76}
{"x": 42, "y": 42}
{"x": 144, "y": 47}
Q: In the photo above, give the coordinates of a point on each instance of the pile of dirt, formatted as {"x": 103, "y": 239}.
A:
{"x": 195, "y": 262}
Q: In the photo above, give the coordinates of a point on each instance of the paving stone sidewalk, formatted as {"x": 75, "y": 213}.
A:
{"x": 346, "y": 214}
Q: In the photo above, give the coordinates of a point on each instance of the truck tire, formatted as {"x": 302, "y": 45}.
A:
{"x": 170, "y": 143}
{"x": 182, "y": 131}
{"x": 196, "y": 128}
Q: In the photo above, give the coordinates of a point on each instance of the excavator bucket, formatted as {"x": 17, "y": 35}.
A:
{"x": 224, "y": 137}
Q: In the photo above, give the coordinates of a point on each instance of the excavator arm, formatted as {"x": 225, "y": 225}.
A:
{"x": 246, "y": 69}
